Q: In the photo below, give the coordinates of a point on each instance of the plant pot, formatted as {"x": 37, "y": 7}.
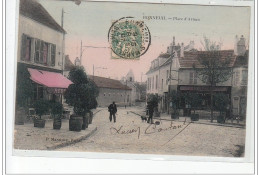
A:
{"x": 20, "y": 116}
{"x": 75, "y": 123}
{"x": 39, "y": 123}
{"x": 56, "y": 123}
{"x": 220, "y": 119}
{"x": 85, "y": 121}
{"x": 194, "y": 117}
{"x": 90, "y": 118}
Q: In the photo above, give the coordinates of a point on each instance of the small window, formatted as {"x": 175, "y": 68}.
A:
{"x": 104, "y": 94}
{"x": 53, "y": 54}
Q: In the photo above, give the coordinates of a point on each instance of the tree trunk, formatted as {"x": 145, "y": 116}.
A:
{"x": 211, "y": 104}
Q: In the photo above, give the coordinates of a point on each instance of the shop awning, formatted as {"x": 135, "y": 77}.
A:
{"x": 203, "y": 88}
{"x": 49, "y": 79}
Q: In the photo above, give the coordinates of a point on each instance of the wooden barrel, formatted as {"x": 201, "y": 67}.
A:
{"x": 75, "y": 123}
{"x": 56, "y": 123}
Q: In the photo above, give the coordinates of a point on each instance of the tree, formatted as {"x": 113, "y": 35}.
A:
{"x": 212, "y": 68}
{"x": 221, "y": 102}
{"x": 174, "y": 99}
{"x": 82, "y": 93}
{"x": 193, "y": 99}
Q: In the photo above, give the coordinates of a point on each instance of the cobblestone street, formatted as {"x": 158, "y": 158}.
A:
{"x": 132, "y": 135}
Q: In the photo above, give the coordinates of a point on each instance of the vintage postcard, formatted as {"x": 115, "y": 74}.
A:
{"x": 139, "y": 78}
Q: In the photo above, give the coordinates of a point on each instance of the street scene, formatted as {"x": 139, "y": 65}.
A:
{"x": 116, "y": 82}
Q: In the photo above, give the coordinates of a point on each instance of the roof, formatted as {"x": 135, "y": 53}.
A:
{"x": 102, "y": 82}
{"x": 35, "y": 11}
{"x": 241, "y": 60}
{"x": 191, "y": 58}
{"x": 68, "y": 64}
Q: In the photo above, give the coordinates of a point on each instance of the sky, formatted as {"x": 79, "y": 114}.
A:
{"x": 89, "y": 22}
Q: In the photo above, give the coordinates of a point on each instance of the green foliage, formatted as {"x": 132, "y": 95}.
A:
{"x": 152, "y": 100}
{"x": 174, "y": 99}
{"x": 83, "y": 93}
{"x": 56, "y": 109}
{"x": 193, "y": 99}
{"x": 24, "y": 86}
{"x": 41, "y": 107}
{"x": 78, "y": 75}
{"x": 221, "y": 101}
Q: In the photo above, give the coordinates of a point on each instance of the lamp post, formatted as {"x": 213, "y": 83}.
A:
{"x": 85, "y": 48}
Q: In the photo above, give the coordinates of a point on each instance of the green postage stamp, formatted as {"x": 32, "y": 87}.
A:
{"x": 128, "y": 38}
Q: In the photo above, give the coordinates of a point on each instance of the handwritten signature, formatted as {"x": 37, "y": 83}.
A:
{"x": 151, "y": 129}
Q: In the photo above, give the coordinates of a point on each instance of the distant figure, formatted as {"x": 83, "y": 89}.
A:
{"x": 112, "y": 109}
{"x": 150, "y": 112}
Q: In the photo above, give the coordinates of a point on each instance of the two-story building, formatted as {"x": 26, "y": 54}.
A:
{"x": 163, "y": 74}
{"x": 174, "y": 70}
{"x": 41, "y": 50}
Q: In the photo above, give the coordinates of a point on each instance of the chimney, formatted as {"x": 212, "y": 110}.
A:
{"x": 241, "y": 46}
{"x": 173, "y": 41}
{"x": 182, "y": 50}
{"x": 191, "y": 46}
{"x": 235, "y": 45}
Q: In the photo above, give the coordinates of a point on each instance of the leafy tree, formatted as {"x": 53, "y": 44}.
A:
{"x": 82, "y": 93}
{"x": 56, "y": 109}
{"x": 175, "y": 99}
{"x": 153, "y": 100}
{"x": 24, "y": 86}
{"x": 193, "y": 99}
{"x": 221, "y": 101}
{"x": 212, "y": 69}
{"x": 41, "y": 107}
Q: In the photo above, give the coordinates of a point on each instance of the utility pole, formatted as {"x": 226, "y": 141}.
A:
{"x": 80, "y": 58}
{"x": 125, "y": 92}
{"x": 63, "y": 42}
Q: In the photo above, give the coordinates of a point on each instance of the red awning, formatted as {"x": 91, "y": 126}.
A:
{"x": 49, "y": 79}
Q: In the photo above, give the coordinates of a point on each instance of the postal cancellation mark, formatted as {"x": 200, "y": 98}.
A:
{"x": 129, "y": 38}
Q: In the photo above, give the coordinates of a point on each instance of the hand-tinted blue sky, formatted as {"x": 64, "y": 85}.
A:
{"x": 90, "y": 22}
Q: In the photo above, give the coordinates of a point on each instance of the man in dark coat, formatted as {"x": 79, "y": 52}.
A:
{"x": 112, "y": 110}
{"x": 150, "y": 108}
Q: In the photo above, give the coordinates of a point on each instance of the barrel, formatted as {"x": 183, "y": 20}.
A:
{"x": 75, "y": 123}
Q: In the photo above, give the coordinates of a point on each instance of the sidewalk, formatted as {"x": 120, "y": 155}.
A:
{"x": 165, "y": 116}
{"x": 28, "y": 137}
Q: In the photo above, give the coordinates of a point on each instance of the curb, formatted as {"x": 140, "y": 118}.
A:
{"x": 71, "y": 142}
{"x": 215, "y": 124}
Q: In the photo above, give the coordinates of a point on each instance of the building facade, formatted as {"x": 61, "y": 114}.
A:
{"x": 111, "y": 90}
{"x": 41, "y": 50}
{"x": 174, "y": 70}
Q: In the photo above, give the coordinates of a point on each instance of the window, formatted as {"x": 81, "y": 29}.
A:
{"x": 156, "y": 81}
{"x": 53, "y": 53}
{"x": 193, "y": 78}
{"x": 244, "y": 77}
{"x": 37, "y": 51}
{"x": 26, "y": 48}
{"x": 153, "y": 83}
{"x": 167, "y": 76}
{"x": 236, "y": 78}
{"x": 104, "y": 94}
{"x": 130, "y": 79}
{"x": 162, "y": 84}
{"x": 44, "y": 53}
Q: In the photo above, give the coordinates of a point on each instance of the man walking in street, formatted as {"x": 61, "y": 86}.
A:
{"x": 112, "y": 110}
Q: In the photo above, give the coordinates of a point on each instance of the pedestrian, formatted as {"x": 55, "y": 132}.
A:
{"x": 150, "y": 112}
{"x": 112, "y": 109}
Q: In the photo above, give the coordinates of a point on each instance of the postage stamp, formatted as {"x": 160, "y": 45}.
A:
{"x": 128, "y": 38}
